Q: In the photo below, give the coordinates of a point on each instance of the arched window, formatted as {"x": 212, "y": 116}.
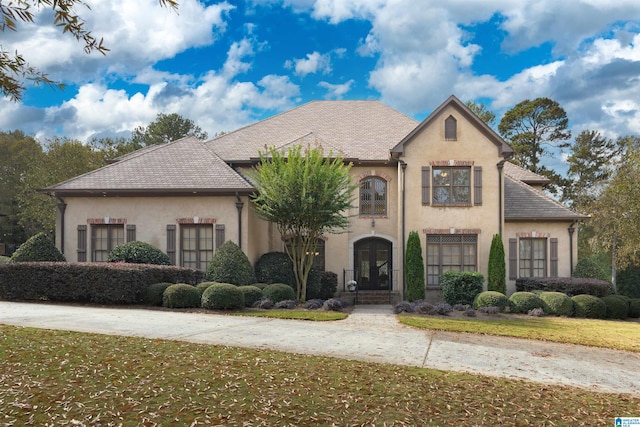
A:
{"x": 373, "y": 197}
{"x": 450, "y": 128}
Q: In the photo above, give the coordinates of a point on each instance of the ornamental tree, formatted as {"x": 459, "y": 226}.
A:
{"x": 305, "y": 195}
{"x": 414, "y": 268}
{"x": 497, "y": 271}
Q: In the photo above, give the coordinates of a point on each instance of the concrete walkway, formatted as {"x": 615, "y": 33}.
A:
{"x": 370, "y": 333}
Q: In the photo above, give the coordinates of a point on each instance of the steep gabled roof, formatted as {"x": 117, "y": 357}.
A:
{"x": 524, "y": 203}
{"x": 503, "y": 148}
{"x": 364, "y": 130}
{"x": 184, "y": 166}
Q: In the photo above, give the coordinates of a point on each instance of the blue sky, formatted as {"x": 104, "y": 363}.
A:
{"x": 228, "y": 64}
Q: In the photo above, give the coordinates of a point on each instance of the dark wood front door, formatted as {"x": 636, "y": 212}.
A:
{"x": 373, "y": 264}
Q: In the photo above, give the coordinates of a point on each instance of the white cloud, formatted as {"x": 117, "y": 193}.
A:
{"x": 313, "y": 63}
{"x": 336, "y": 91}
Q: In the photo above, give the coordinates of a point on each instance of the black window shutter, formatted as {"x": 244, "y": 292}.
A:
{"x": 82, "y": 243}
{"x": 426, "y": 181}
{"x": 131, "y": 233}
{"x": 513, "y": 259}
{"x": 554, "y": 258}
{"x": 477, "y": 184}
{"x": 171, "y": 243}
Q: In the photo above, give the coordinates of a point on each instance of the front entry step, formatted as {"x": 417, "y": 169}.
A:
{"x": 371, "y": 297}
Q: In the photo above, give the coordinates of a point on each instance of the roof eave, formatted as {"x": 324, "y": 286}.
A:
{"x": 183, "y": 192}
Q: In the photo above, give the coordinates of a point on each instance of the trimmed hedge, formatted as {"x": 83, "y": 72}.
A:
{"x": 634, "y": 308}
{"x": 461, "y": 287}
{"x": 589, "y": 306}
{"x": 567, "y": 285}
{"x": 589, "y": 268}
{"x": 138, "y": 253}
{"x": 153, "y": 294}
{"x": 251, "y": 294}
{"x": 628, "y": 282}
{"x": 223, "y": 296}
{"x": 275, "y": 267}
{"x": 101, "y": 283}
{"x": 202, "y": 286}
{"x": 277, "y": 292}
{"x": 523, "y": 302}
{"x": 556, "y": 303}
{"x": 39, "y": 247}
{"x": 617, "y": 307}
{"x": 490, "y": 299}
{"x": 181, "y": 295}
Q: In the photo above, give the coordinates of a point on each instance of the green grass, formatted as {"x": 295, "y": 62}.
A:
{"x": 315, "y": 315}
{"x": 66, "y": 378}
{"x": 590, "y": 332}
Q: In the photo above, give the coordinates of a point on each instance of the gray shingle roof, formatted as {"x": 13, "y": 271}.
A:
{"x": 364, "y": 130}
{"x": 524, "y": 175}
{"x": 524, "y": 203}
{"x": 185, "y": 165}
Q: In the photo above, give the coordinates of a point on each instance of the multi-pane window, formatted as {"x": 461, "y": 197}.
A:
{"x": 451, "y": 185}
{"x": 373, "y": 197}
{"x": 533, "y": 257}
{"x": 447, "y": 252}
{"x": 104, "y": 238}
{"x": 196, "y": 245}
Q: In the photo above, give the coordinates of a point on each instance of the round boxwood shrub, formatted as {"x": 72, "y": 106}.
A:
{"x": 634, "y": 308}
{"x": 138, "y": 253}
{"x": 223, "y": 296}
{"x": 39, "y": 247}
{"x": 202, "y": 286}
{"x": 277, "y": 292}
{"x": 153, "y": 295}
{"x": 251, "y": 294}
{"x": 522, "y": 302}
{"x": 230, "y": 265}
{"x": 181, "y": 295}
{"x": 628, "y": 282}
{"x": 556, "y": 303}
{"x": 490, "y": 299}
{"x": 589, "y": 306}
{"x": 617, "y": 308}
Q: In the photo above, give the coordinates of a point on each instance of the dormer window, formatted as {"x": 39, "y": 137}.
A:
{"x": 450, "y": 129}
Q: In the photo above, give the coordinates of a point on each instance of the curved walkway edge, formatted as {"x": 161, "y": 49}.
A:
{"x": 370, "y": 333}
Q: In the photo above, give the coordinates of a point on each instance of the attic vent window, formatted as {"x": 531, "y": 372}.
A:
{"x": 450, "y": 129}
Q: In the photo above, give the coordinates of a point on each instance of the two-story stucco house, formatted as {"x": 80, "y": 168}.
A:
{"x": 448, "y": 177}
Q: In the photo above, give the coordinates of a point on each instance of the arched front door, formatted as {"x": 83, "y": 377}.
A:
{"x": 373, "y": 263}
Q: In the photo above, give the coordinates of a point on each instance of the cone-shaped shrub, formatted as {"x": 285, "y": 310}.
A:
{"x": 414, "y": 268}
{"x": 39, "y": 247}
{"x": 230, "y": 265}
{"x": 497, "y": 273}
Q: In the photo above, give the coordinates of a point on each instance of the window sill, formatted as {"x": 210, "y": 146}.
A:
{"x": 451, "y": 205}
{"x": 373, "y": 217}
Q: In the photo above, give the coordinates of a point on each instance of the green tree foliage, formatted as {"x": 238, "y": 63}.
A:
{"x": 166, "y": 128}
{"x": 616, "y": 213}
{"x": 497, "y": 270}
{"x": 414, "y": 268}
{"x": 61, "y": 159}
{"x": 14, "y": 68}
{"x": 590, "y": 167}
{"x": 531, "y": 126}
{"x": 482, "y": 112}
{"x": 305, "y": 195}
{"x": 19, "y": 156}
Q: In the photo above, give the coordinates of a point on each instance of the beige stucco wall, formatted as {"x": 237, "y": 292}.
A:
{"x": 548, "y": 230}
{"x": 151, "y": 215}
{"x": 472, "y": 147}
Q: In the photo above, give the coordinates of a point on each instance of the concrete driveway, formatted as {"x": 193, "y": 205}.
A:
{"x": 370, "y": 333}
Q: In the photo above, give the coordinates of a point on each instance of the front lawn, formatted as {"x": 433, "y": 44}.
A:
{"x": 617, "y": 335}
{"x": 66, "y": 378}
